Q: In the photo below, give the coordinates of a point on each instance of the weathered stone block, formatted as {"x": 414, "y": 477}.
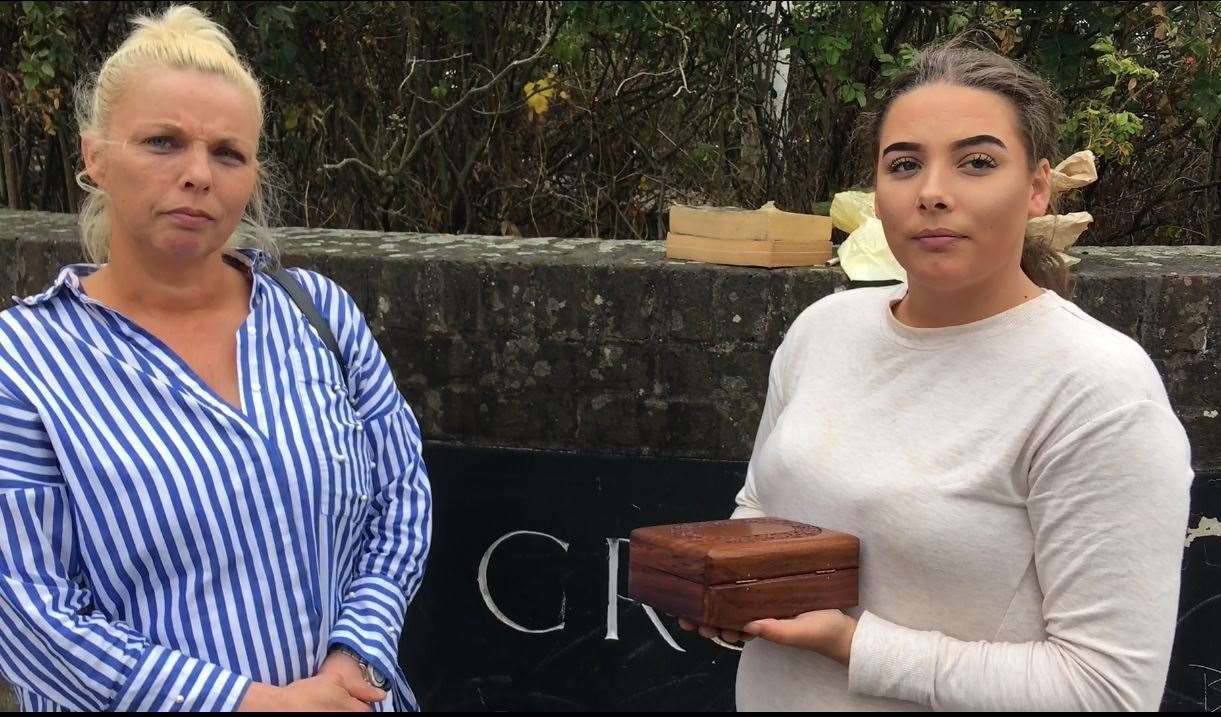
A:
{"x": 509, "y": 298}
{"x": 626, "y": 304}
{"x": 435, "y": 297}
{"x": 542, "y": 418}
{"x": 619, "y": 367}
{"x": 1203, "y": 428}
{"x": 608, "y": 420}
{"x": 1117, "y": 301}
{"x": 586, "y": 345}
{"x": 687, "y": 371}
{"x": 397, "y": 305}
{"x": 559, "y": 309}
{"x": 738, "y": 414}
{"x": 689, "y": 311}
{"x": 742, "y": 307}
{"x": 459, "y": 417}
{"x": 693, "y": 428}
{"x": 1178, "y": 316}
{"x": 1192, "y": 381}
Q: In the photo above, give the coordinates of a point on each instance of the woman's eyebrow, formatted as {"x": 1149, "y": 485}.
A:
{"x": 978, "y": 139}
{"x": 162, "y": 125}
{"x": 957, "y": 145}
{"x": 903, "y": 147}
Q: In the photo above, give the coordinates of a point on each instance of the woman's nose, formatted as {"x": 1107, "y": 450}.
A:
{"x": 933, "y": 192}
{"x": 197, "y": 173}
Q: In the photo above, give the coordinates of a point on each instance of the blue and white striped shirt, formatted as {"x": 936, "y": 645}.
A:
{"x": 160, "y": 549}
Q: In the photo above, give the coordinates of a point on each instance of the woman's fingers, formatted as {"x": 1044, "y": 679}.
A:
{"x": 710, "y": 632}
{"x": 366, "y": 693}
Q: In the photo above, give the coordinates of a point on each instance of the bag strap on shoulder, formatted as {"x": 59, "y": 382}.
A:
{"x": 303, "y": 301}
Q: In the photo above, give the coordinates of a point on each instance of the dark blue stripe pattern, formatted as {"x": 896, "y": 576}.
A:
{"x": 160, "y": 548}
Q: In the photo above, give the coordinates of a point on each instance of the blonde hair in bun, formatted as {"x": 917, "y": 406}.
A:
{"x": 181, "y": 38}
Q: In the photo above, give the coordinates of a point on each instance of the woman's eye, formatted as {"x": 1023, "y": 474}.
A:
{"x": 232, "y": 155}
{"x": 160, "y": 143}
{"x": 980, "y": 162}
{"x": 903, "y": 164}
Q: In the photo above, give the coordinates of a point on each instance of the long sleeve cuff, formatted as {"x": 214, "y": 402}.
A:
{"x": 165, "y": 680}
{"x": 889, "y": 660}
{"x": 370, "y": 622}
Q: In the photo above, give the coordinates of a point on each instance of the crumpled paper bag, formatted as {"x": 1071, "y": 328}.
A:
{"x": 865, "y": 255}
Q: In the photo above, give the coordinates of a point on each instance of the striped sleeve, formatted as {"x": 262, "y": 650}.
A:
{"x": 400, "y": 520}
{"x": 55, "y": 643}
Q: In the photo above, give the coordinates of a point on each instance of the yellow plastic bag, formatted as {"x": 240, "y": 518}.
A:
{"x": 864, "y": 255}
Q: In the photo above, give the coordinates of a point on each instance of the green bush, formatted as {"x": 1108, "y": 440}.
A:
{"x": 589, "y": 118}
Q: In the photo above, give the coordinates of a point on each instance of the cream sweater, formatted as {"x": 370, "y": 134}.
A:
{"x": 1020, "y": 488}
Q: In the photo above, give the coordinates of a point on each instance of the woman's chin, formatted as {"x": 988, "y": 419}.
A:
{"x": 187, "y": 246}
{"x": 939, "y": 273}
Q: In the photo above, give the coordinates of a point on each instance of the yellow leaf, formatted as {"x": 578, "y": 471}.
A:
{"x": 540, "y": 93}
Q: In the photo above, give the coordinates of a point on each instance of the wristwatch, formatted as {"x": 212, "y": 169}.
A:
{"x": 371, "y": 674}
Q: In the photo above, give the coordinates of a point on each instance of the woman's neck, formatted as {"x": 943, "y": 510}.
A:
{"x": 931, "y": 307}
{"x": 128, "y": 281}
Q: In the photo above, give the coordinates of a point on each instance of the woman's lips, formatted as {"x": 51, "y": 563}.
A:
{"x": 939, "y": 242}
{"x": 188, "y": 221}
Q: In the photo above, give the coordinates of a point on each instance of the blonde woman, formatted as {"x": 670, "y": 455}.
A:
{"x": 1012, "y": 466}
{"x": 205, "y": 504}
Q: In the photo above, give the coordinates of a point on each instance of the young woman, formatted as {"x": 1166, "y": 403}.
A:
{"x": 1012, "y": 466}
{"x": 202, "y": 507}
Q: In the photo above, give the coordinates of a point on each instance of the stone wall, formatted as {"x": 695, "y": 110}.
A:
{"x": 605, "y": 346}
{"x": 589, "y": 346}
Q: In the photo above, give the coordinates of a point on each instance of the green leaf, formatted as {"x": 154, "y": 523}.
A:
{"x": 30, "y": 81}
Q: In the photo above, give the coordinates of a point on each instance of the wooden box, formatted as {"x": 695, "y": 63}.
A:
{"x": 725, "y": 573}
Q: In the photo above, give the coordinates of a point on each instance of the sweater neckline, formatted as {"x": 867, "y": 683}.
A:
{"x": 946, "y": 336}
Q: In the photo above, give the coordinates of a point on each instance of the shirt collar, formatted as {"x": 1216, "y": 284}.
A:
{"x": 70, "y": 276}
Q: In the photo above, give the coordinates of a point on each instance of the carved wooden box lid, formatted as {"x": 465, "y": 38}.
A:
{"x": 728, "y": 551}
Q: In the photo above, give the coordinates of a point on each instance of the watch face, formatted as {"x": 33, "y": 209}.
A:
{"x": 374, "y": 677}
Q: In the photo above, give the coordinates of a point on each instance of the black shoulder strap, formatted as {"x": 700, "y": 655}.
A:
{"x": 281, "y": 276}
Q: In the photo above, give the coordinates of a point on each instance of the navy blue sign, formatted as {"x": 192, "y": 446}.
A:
{"x": 524, "y": 603}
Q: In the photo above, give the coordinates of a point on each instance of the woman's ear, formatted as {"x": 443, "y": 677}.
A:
{"x": 94, "y": 167}
{"x": 1040, "y": 190}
